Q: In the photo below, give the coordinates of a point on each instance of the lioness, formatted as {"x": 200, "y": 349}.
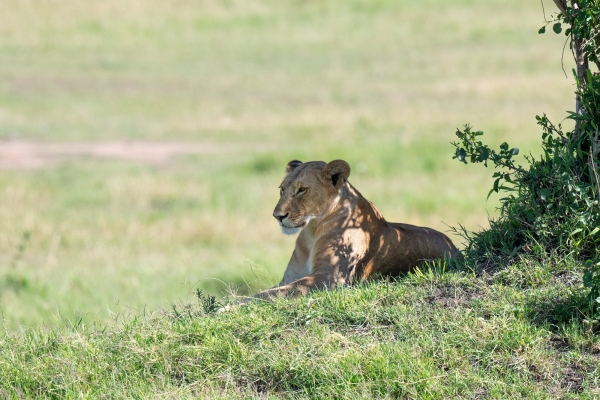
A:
{"x": 343, "y": 236}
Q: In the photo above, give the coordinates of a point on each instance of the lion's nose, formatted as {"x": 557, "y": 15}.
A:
{"x": 280, "y": 217}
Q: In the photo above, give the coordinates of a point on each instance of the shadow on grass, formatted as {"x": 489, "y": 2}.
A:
{"x": 557, "y": 308}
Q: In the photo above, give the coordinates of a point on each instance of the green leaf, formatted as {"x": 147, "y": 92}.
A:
{"x": 545, "y": 194}
{"x": 576, "y": 231}
{"x": 496, "y": 182}
{"x": 485, "y": 153}
{"x": 461, "y": 154}
{"x": 514, "y": 151}
{"x": 508, "y": 188}
{"x": 557, "y": 27}
{"x": 542, "y": 30}
{"x": 504, "y": 146}
{"x": 587, "y": 276}
{"x": 596, "y": 230}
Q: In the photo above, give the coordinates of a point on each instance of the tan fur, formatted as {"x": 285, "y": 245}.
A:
{"x": 343, "y": 237}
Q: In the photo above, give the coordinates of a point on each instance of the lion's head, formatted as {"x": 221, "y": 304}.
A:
{"x": 307, "y": 192}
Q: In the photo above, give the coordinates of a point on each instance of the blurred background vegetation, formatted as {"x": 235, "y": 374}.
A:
{"x": 246, "y": 86}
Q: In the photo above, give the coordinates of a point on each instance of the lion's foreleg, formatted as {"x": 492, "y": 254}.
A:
{"x": 300, "y": 287}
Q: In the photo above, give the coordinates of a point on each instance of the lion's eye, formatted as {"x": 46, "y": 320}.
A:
{"x": 281, "y": 191}
{"x": 300, "y": 191}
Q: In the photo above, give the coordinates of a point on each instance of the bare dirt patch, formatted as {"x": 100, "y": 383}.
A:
{"x": 28, "y": 155}
{"x": 453, "y": 296}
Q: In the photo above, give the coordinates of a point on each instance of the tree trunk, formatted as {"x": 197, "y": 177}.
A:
{"x": 581, "y": 59}
{"x": 562, "y": 6}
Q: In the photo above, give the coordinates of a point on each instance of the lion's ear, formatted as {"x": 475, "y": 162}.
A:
{"x": 292, "y": 165}
{"x": 336, "y": 172}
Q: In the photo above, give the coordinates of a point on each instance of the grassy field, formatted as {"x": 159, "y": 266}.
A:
{"x": 382, "y": 84}
{"x": 427, "y": 336}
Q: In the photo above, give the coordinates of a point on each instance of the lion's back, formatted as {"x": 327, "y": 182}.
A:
{"x": 428, "y": 240}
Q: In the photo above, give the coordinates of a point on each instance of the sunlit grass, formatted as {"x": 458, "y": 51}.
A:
{"x": 429, "y": 335}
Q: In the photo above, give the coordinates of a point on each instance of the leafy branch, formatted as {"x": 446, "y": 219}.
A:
{"x": 470, "y": 147}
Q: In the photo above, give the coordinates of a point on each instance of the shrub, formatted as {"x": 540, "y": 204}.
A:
{"x": 551, "y": 205}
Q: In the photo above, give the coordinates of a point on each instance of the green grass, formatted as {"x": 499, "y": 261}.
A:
{"x": 92, "y": 250}
{"x": 286, "y": 73}
{"x": 431, "y": 335}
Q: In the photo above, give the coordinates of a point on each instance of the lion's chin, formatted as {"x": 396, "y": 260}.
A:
{"x": 290, "y": 230}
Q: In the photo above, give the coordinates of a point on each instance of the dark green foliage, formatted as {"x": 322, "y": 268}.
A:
{"x": 551, "y": 205}
{"x": 209, "y": 304}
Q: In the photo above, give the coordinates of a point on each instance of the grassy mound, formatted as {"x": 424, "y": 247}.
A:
{"x": 432, "y": 334}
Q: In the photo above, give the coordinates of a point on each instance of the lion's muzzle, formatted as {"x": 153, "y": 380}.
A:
{"x": 280, "y": 217}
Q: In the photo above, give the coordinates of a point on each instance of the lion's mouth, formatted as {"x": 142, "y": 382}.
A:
{"x": 301, "y": 225}
{"x": 291, "y": 230}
